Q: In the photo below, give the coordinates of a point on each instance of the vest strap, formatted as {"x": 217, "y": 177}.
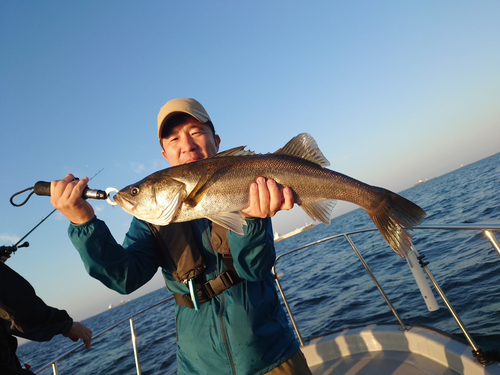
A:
{"x": 210, "y": 289}
{"x": 178, "y": 251}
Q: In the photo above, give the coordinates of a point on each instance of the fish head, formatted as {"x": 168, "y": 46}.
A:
{"x": 155, "y": 200}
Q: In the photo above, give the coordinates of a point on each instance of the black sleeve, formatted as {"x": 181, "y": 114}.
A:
{"x": 29, "y": 316}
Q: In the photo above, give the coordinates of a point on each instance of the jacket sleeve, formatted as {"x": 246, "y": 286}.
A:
{"x": 123, "y": 268}
{"x": 28, "y": 315}
{"x": 253, "y": 253}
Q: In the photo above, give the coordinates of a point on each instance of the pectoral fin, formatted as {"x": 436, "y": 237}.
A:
{"x": 320, "y": 211}
{"x": 230, "y": 220}
{"x": 170, "y": 207}
{"x": 197, "y": 194}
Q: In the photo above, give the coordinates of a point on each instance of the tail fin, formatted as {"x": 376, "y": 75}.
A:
{"x": 393, "y": 217}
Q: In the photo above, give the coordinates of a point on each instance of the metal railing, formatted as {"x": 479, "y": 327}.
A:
{"x": 53, "y": 363}
{"x": 487, "y": 230}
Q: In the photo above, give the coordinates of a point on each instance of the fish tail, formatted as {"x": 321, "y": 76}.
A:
{"x": 393, "y": 216}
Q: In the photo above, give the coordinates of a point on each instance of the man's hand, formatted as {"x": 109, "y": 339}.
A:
{"x": 266, "y": 198}
{"x": 79, "y": 331}
{"x": 66, "y": 196}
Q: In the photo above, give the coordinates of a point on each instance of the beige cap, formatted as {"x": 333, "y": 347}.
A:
{"x": 190, "y": 106}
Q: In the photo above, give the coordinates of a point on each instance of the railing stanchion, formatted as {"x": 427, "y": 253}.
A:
{"x": 134, "y": 343}
{"x": 493, "y": 240}
{"x": 455, "y": 316}
{"x": 376, "y": 282}
{"x": 288, "y": 308}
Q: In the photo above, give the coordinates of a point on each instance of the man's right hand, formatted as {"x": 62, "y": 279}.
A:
{"x": 66, "y": 196}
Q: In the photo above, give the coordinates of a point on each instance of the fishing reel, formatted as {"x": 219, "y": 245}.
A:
{"x": 6, "y": 251}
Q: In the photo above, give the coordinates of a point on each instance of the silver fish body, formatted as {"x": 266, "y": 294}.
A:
{"x": 217, "y": 188}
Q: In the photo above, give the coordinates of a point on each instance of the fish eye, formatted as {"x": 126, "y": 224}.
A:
{"x": 135, "y": 191}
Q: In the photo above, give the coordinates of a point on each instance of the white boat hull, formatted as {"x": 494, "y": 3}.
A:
{"x": 387, "y": 349}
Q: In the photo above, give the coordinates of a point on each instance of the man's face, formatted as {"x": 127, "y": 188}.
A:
{"x": 189, "y": 141}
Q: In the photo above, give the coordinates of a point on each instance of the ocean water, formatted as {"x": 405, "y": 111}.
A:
{"x": 328, "y": 288}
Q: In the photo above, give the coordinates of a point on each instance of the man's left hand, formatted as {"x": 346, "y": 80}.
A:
{"x": 266, "y": 198}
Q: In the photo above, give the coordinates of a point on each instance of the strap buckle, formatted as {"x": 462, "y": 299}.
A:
{"x": 207, "y": 291}
{"x": 218, "y": 285}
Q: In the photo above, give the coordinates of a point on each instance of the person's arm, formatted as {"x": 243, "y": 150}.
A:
{"x": 28, "y": 314}
{"x": 254, "y": 253}
{"x": 121, "y": 268}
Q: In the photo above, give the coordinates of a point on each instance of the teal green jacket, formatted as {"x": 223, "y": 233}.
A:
{"x": 242, "y": 331}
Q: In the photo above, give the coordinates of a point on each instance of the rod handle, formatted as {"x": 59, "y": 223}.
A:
{"x": 42, "y": 188}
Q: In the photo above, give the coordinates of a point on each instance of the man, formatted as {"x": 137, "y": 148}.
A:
{"x": 233, "y": 322}
{"x": 24, "y": 314}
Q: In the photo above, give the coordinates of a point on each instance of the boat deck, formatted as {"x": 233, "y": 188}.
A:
{"x": 387, "y": 349}
{"x": 386, "y": 362}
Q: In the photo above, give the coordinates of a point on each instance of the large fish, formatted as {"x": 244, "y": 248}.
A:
{"x": 217, "y": 189}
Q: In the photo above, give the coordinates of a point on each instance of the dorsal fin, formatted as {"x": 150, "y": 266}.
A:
{"x": 304, "y": 146}
{"x": 236, "y": 151}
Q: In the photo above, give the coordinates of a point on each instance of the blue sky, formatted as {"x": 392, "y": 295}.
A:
{"x": 394, "y": 92}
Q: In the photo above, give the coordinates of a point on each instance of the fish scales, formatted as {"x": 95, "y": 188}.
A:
{"x": 217, "y": 188}
{"x": 227, "y": 186}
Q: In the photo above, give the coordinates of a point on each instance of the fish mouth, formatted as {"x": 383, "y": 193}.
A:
{"x": 124, "y": 202}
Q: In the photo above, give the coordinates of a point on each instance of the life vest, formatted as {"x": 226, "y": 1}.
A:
{"x": 178, "y": 252}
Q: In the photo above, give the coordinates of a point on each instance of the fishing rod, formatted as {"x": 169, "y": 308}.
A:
{"x": 43, "y": 188}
